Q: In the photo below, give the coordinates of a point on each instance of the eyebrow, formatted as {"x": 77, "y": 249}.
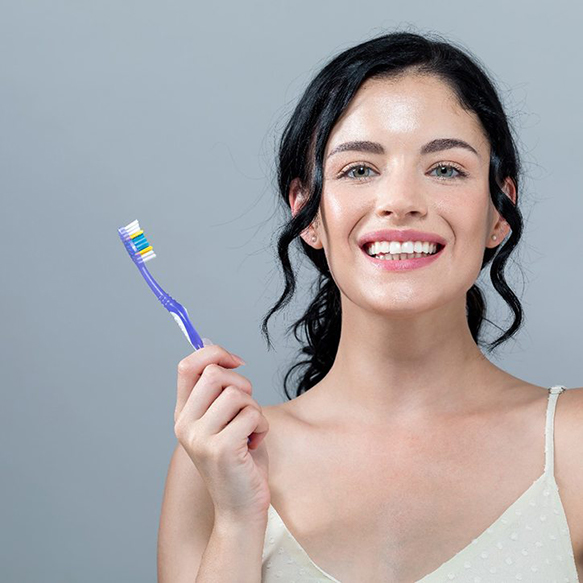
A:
{"x": 436, "y": 145}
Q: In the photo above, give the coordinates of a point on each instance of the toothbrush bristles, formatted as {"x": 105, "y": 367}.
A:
{"x": 139, "y": 241}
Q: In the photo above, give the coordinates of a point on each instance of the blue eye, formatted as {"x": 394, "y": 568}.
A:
{"x": 440, "y": 167}
{"x": 357, "y": 167}
{"x": 360, "y": 168}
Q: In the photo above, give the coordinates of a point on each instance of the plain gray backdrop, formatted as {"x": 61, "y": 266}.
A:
{"x": 169, "y": 113}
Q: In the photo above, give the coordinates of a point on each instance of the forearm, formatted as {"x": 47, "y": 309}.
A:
{"x": 233, "y": 554}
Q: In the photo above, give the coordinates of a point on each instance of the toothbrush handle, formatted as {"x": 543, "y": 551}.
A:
{"x": 176, "y": 309}
{"x": 179, "y": 313}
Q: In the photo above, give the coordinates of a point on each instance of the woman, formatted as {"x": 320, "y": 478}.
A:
{"x": 405, "y": 454}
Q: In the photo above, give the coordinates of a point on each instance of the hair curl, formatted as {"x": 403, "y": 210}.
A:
{"x": 322, "y": 103}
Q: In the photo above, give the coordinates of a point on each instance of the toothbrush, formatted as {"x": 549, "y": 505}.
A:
{"x": 141, "y": 251}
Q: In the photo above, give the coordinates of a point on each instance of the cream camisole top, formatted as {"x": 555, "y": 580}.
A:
{"x": 529, "y": 542}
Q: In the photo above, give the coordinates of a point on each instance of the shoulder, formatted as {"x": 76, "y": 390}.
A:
{"x": 569, "y": 423}
{"x": 273, "y": 413}
{"x": 282, "y": 414}
{"x": 569, "y": 463}
{"x": 279, "y": 418}
{"x": 284, "y": 440}
{"x": 569, "y": 430}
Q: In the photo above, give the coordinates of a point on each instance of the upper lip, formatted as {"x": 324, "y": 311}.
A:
{"x": 400, "y": 235}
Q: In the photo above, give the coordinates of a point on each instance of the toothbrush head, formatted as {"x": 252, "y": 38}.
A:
{"x": 136, "y": 243}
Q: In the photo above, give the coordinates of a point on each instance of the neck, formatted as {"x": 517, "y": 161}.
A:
{"x": 413, "y": 369}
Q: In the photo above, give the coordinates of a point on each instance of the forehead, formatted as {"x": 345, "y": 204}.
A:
{"x": 411, "y": 109}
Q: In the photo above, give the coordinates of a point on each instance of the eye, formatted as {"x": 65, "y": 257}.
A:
{"x": 359, "y": 168}
{"x": 443, "y": 166}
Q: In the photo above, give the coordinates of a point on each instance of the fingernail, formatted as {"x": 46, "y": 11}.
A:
{"x": 207, "y": 342}
{"x": 236, "y": 357}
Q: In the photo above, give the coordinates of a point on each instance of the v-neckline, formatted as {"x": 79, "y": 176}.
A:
{"x": 445, "y": 565}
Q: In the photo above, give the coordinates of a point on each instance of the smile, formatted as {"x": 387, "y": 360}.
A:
{"x": 395, "y": 263}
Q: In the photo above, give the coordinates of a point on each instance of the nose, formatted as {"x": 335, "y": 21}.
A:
{"x": 401, "y": 196}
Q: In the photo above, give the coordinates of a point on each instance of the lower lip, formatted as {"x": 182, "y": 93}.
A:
{"x": 403, "y": 264}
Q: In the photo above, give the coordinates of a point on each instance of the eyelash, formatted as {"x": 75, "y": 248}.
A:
{"x": 462, "y": 174}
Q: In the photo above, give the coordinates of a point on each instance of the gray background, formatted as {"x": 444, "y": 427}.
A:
{"x": 169, "y": 113}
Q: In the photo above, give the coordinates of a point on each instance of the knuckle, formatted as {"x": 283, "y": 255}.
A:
{"x": 253, "y": 411}
{"x": 186, "y": 435}
{"x": 179, "y": 430}
{"x": 183, "y": 366}
{"x": 212, "y": 371}
{"x": 232, "y": 392}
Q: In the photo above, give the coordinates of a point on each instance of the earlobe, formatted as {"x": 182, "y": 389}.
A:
{"x": 297, "y": 199}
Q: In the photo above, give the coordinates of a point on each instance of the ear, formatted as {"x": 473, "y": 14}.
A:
{"x": 501, "y": 228}
{"x": 510, "y": 189}
{"x": 297, "y": 197}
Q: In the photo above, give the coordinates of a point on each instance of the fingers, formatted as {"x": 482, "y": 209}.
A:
{"x": 248, "y": 421}
{"x": 233, "y": 414}
{"x": 212, "y": 387}
{"x": 233, "y": 411}
{"x": 217, "y": 360}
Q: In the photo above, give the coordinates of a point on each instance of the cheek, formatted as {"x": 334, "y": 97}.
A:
{"x": 467, "y": 216}
{"x": 341, "y": 215}
{"x": 463, "y": 262}
{"x": 337, "y": 204}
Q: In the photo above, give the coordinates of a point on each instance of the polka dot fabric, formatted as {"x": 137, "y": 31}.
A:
{"x": 529, "y": 542}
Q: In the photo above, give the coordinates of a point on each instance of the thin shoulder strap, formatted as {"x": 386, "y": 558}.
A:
{"x": 554, "y": 393}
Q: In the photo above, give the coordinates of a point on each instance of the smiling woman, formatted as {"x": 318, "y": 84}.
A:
{"x": 401, "y": 177}
{"x": 405, "y": 454}
{"x": 400, "y": 88}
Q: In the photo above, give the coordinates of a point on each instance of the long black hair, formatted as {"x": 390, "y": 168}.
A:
{"x": 301, "y": 154}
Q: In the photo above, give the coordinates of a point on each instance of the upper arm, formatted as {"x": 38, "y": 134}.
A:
{"x": 186, "y": 521}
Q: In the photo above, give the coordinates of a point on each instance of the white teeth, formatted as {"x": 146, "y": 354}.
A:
{"x": 401, "y": 248}
{"x": 389, "y": 257}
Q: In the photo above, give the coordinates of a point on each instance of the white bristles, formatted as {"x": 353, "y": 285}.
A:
{"x": 132, "y": 228}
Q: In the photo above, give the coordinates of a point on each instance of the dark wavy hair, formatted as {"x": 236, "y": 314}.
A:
{"x": 322, "y": 103}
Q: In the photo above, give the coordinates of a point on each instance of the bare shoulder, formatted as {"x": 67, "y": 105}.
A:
{"x": 574, "y": 409}
{"x": 569, "y": 429}
{"x": 569, "y": 463}
{"x": 278, "y": 417}
{"x": 280, "y": 413}
{"x": 280, "y": 439}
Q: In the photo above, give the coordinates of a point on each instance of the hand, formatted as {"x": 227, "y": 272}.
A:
{"x": 214, "y": 416}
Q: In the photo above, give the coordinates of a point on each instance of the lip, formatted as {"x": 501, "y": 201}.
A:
{"x": 400, "y": 235}
{"x": 402, "y": 264}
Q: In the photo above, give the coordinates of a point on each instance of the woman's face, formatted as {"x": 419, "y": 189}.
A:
{"x": 396, "y": 186}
